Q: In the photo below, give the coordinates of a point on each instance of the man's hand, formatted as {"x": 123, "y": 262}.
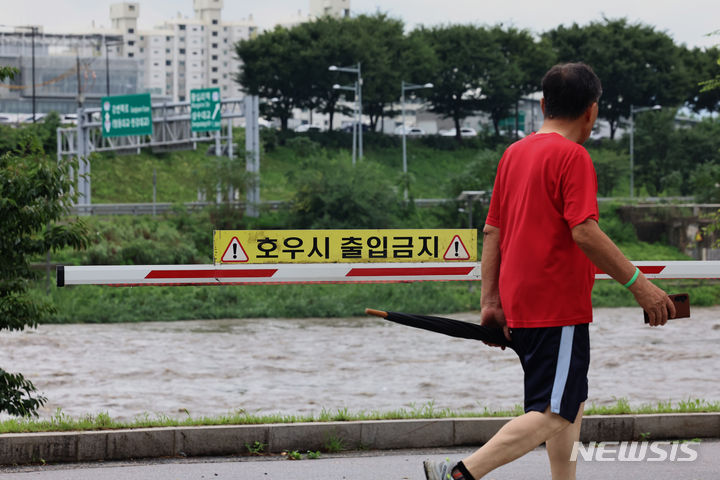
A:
{"x": 492, "y": 316}
{"x": 653, "y": 300}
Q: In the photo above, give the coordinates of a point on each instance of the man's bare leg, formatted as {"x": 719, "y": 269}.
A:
{"x": 560, "y": 447}
{"x": 515, "y": 439}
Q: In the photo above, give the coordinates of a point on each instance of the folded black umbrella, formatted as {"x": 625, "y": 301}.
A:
{"x": 446, "y": 326}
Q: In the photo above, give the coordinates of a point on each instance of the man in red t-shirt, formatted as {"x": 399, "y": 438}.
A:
{"x": 541, "y": 245}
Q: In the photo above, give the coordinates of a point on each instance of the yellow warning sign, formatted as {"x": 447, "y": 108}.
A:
{"x": 344, "y": 246}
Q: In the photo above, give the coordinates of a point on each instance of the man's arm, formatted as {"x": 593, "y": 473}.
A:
{"x": 608, "y": 258}
{"x": 490, "y": 267}
{"x": 491, "y": 312}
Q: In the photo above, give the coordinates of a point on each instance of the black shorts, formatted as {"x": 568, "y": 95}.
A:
{"x": 555, "y": 361}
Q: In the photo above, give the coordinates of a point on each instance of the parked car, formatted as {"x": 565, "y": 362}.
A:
{"x": 464, "y": 132}
{"x": 306, "y": 127}
{"x": 410, "y": 131}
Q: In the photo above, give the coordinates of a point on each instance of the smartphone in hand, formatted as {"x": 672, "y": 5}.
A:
{"x": 682, "y": 306}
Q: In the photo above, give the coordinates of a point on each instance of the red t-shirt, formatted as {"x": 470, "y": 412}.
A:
{"x": 545, "y": 185}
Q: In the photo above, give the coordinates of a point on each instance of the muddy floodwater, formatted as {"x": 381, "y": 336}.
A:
{"x": 299, "y": 366}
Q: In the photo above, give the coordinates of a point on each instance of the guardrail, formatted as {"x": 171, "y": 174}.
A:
{"x": 155, "y": 208}
{"x": 159, "y": 208}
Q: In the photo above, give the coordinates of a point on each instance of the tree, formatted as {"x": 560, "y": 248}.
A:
{"x": 272, "y": 69}
{"x": 378, "y": 42}
{"x": 331, "y": 193}
{"x": 714, "y": 82}
{"x": 703, "y": 66}
{"x": 33, "y": 199}
{"x": 522, "y": 64}
{"x": 666, "y": 156}
{"x": 463, "y": 55}
{"x": 637, "y": 65}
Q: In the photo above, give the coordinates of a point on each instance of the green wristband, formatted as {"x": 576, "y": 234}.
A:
{"x": 634, "y": 277}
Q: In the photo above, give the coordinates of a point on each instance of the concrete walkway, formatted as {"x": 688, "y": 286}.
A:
{"x": 368, "y": 465}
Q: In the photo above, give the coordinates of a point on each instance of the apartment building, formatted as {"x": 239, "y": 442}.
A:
{"x": 169, "y": 60}
{"x": 184, "y": 53}
{"x": 333, "y": 8}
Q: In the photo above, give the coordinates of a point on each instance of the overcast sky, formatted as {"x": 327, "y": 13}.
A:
{"x": 687, "y": 21}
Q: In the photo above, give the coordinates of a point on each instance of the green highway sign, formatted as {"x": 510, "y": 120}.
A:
{"x": 205, "y": 109}
{"x": 124, "y": 115}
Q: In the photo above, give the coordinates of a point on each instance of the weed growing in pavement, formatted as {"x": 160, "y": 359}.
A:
{"x": 256, "y": 448}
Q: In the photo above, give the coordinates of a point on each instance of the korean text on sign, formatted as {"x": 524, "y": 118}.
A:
{"x": 346, "y": 246}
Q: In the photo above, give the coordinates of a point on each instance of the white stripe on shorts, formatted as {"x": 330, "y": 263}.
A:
{"x": 563, "y": 367}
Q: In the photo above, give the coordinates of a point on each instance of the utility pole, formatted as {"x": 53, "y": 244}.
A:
{"x": 33, "y": 29}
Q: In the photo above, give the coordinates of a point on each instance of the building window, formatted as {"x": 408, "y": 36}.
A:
{"x": 131, "y": 31}
{"x": 167, "y": 50}
{"x": 181, "y": 98}
{"x": 168, "y": 62}
{"x": 130, "y": 55}
{"x": 182, "y": 63}
{"x": 214, "y": 57}
{"x": 182, "y": 51}
{"x": 224, "y": 40}
{"x": 131, "y": 7}
{"x": 156, "y": 64}
{"x": 142, "y": 50}
{"x": 181, "y": 27}
{"x": 214, "y": 34}
{"x": 224, "y": 29}
{"x": 214, "y": 45}
{"x": 131, "y": 43}
{"x": 182, "y": 39}
{"x": 214, "y": 22}
{"x": 214, "y": 69}
{"x": 168, "y": 39}
{"x": 214, "y": 81}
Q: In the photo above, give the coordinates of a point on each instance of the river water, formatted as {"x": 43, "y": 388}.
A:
{"x": 299, "y": 366}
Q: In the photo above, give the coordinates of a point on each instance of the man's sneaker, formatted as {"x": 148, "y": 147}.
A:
{"x": 438, "y": 470}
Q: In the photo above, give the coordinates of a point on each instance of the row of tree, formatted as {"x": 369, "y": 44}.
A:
{"x": 473, "y": 68}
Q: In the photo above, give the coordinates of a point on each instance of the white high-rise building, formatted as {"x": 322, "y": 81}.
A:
{"x": 184, "y": 53}
{"x": 333, "y": 8}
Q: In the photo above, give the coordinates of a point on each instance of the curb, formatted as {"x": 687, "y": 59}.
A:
{"x": 24, "y": 448}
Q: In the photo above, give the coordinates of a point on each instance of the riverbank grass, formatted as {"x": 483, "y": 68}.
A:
{"x": 61, "y": 422}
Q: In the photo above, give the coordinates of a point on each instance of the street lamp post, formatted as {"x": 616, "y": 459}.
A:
{"x": 403, "y": 88}
{"x": 357, "y": 70}
{"x": 33, "y": 29}
{"x": 353, "y": 89}
{"x": 633, "y": 111}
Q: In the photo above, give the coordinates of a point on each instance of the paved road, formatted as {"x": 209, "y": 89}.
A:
{"x": 387, "y": 465}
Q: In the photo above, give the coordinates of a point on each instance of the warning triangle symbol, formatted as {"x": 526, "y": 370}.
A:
{"x": 456, "y": 250}
{"x": 234, "y": 253}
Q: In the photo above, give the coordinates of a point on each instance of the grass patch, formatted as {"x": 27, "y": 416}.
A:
{"x": 60, "y": 422}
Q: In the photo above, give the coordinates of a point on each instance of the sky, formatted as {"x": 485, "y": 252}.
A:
{"x": 686, "y": 21}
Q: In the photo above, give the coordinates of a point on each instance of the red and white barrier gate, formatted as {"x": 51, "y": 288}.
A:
{"x": 136, "y": 275}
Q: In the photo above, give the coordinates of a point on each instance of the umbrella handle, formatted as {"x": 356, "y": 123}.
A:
{"x": 377, "y": 313}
